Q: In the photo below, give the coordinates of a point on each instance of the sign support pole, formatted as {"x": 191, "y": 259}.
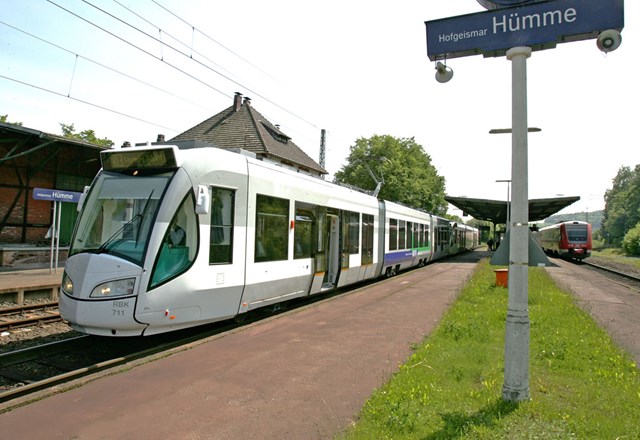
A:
{"x": 53, "y": 234}
{"x": 55, "y": 269}
{"x": 516, "y": 352}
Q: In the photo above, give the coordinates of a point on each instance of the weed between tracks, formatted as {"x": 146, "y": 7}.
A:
{"x": 582, "y": 386}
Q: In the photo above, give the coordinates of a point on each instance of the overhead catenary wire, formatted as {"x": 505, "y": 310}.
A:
{"x": 131, "y": 43}
{"x": 181, "y": 53}
{"x": 161, "y": 31}
{"x": 86, "y": 102}
{"x": 73, "y": 74}
{"x": 104, "y": 66}
{"x": 141, "y": 49}
{"x": 194, "y": 29}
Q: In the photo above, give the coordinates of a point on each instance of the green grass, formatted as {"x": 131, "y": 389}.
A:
{"x": 582, "y": 386}
{"x": 617, "y": 255}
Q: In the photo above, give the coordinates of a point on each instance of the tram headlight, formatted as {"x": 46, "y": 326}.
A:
{"x": 67, "y": 284}
{"x": 114, "y": 288}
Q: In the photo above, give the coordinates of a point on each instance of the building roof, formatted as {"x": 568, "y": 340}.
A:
{"x": 10, "y": 133}
{"x": 28, "y": 146}
{"x": 242, "y": 126}
{"x": 496, "y": 211}
{"x": 32, "y": 158}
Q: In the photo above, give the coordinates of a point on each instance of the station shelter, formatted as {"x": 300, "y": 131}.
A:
{"x": 31, "y": 159}
{"x": 495, "y": 211}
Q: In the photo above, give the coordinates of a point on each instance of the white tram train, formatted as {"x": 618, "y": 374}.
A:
{"x": 171, "y": 238}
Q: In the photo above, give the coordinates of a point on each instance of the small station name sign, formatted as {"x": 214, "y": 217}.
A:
{"x": 56, "y": 195}
{"x": 539, "y": 25}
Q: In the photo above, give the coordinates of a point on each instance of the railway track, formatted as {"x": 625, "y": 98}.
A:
{"x": 616, "y": 274}
{"x": 28, "y": 315}
{"x": 24, "y": 372}
{"x": 611, "y": 271}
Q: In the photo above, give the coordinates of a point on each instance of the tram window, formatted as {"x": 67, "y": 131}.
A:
{"x": 409, "y": 235}
{"x": 426, "y": 235}
{"x": 303, "y": 232}
{"x": 221, "y": 240}
{"x": 420, "y": 235}
{"x": 443, "y": 236}
{"x": 393, "y": 234}
{"x": 180, "y": 244}
{"x": 367, "y": 238}
{"x": 351, "y": 231}
{"x": 402, "y": 234}
{"x": 272, "y": 228}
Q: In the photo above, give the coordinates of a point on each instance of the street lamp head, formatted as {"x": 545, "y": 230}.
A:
{"x": 443, "y": 73}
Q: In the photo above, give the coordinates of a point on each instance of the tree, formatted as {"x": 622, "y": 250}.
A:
{"x": 631, "y": 241}
{"x": 622, "y": 205}
{"x": 68, "y": 131}
{"x": 409, "y": 177}
{"x": 4, "y": 118}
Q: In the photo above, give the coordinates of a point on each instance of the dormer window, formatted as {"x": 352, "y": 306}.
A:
{"x": 276, "y": 134}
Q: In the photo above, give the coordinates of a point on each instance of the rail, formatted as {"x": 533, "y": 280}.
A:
{"x": 36, "y": 314}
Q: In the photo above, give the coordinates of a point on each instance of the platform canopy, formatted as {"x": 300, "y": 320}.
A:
{"x": 496, "y": 211}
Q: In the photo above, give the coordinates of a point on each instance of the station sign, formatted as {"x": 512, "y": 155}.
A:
{"x": 56, "y": 195}
{"x": 539, "y": 25}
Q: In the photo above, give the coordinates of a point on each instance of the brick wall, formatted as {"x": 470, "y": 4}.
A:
{"x": 40, "y": 169}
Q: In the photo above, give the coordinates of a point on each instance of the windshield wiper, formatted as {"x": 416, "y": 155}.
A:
{"x": 103, "y": 247}
{"x": 142, "y": 215}
{"x": 138, "y": 217}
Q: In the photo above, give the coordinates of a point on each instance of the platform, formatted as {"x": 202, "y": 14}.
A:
{"x": 18, "y": 285}
{"x": 301, "y": 375}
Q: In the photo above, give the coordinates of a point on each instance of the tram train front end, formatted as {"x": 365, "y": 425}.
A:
{"x": 99, "y": 295}
{"x": 116, "y": 252}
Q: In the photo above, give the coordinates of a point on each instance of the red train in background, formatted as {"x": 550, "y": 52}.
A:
{"x": 566, "y": 239}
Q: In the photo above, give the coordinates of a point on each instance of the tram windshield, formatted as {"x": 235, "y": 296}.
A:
{"x": 118, "y": 215}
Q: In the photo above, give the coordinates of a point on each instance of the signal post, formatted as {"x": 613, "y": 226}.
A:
{"x": 514, "y": 28}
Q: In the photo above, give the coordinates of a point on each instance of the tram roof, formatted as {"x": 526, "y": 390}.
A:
{"x": 496, "y": 211}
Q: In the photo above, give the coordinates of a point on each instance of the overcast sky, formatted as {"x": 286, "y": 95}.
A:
{"x": 355, "y": 68}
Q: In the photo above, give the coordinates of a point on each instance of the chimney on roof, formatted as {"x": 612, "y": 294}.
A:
{"x": 126, "y": 144}
{"x": 237, "y": 101}
{"x": 160, "y": 138}
{"x": 247, "y": 100}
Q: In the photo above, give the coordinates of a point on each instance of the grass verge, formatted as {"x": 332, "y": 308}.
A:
{"x": 617, "y": 256}
{"x": 582, "y": 385}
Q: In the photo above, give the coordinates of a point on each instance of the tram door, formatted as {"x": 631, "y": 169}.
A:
{"x": 327, "y": 251}
{"x": 333, "y": 251}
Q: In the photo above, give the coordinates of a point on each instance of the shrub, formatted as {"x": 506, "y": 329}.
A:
{"x": 631, "y": 241}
